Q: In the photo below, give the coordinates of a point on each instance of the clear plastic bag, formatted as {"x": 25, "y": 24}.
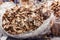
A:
{"x": 39, "y": 31}
{"x": 7, "y": 5}
{"x": 55, "y": 30}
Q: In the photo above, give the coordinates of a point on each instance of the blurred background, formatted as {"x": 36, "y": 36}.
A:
{"x": 15, "y": 1}
{"x": 55, "y": 31}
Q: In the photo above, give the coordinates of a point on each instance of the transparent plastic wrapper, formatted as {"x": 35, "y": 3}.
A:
{"x": 43, "y": 29}
{"x": 7, "y": 5}
{"x": 55, "y": 30}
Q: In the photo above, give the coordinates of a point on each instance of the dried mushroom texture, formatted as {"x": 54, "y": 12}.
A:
{"x": 23, "y": 20}
{"x": 56, "y": 8}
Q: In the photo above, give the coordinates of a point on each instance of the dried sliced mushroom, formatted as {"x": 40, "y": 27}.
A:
{"x": 21, "y": 20}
